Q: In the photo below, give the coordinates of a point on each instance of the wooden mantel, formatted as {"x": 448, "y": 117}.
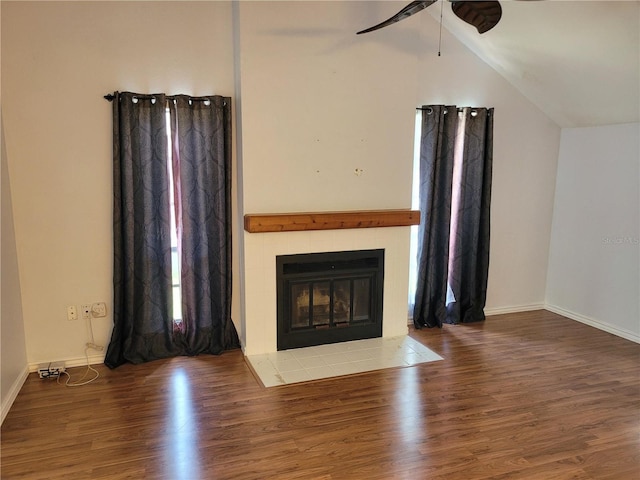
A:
{"x": 295, "y": 222}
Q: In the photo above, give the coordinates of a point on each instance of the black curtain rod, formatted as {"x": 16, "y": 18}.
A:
{"x": 430, "y": 108}
{"x": 460, "y": 109}
{"x": 110, "y": 97}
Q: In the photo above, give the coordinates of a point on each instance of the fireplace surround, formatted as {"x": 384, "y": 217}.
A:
{"x": 329, "y": 297}
{"x": 267, "y": 236}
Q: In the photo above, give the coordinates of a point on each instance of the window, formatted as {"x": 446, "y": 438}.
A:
{"x": 175, "y": 257}
{"x": 415, "y": 205}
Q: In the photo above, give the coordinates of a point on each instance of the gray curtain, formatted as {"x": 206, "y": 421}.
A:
{"x": 202, "y": 163}
{"x": 455, "y": 201}
{"x": 143, "y": 327}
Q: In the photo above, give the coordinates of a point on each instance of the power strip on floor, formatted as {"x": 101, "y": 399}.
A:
{"x": 51, "y": 370}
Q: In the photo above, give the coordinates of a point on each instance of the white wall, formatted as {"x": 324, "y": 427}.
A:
{"x": 13, "y": 352}
{"x": 319, "y": 102}
{"x": 58, "y": 60}
{"x": 594, "y": 262}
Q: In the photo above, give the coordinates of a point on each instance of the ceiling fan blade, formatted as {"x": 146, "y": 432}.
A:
{"x": 413, "y": 7}
{"x": 482, "y": 15}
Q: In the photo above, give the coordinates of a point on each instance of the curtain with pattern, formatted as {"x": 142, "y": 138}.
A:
{"x": 199, "y": 163}
{"x": 202, "y": 166}
{"x": 456, "y": 152}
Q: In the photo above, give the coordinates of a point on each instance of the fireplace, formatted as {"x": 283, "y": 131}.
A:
{"x": 329, "y": 297}
{"x": 268, "y": 236}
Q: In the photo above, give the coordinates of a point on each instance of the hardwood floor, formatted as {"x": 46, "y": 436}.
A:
{"x": 521, "y": 396}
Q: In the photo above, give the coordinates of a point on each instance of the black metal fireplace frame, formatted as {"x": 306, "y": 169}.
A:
{"x": 328, "y": 266}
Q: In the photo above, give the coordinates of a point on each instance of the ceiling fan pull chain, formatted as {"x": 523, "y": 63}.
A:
{"x": 440, "y": 38}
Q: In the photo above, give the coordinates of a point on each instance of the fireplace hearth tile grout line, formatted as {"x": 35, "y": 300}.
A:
{"x": 338, "y": 359}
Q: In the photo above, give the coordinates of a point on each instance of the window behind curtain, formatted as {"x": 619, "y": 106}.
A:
{"x": 175, "y": 257}
{"x": 415, "y": 205}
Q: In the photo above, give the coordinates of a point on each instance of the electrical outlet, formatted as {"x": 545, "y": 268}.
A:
{"x": 86, "y": 311}
{"x": 72, "y": 312}
{"x": 99, "y": 309}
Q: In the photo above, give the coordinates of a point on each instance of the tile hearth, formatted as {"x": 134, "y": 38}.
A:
{"x": 336, "y": 359}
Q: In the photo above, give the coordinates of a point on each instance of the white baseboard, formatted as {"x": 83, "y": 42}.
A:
{"x": 514, "y": 309}
{"x": 72, "y": 362}
{"x": 501, "y": 310}
{"x": 13, "y": 393}
{"x": 592, "y": 322}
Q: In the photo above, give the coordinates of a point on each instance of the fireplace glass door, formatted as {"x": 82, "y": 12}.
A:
{"x": 327, "y": 303}
{"x": 329, "y": 297}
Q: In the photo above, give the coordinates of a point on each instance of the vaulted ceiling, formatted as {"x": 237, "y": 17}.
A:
{"x": 579, "y": 60}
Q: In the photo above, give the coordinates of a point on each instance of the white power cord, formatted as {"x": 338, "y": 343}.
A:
{"x": 89, "y": 346}
{"x": 92, "y": 345}
{"x": 80, "y": 382}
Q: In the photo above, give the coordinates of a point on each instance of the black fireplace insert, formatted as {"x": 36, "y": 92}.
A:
{"x": 329, "y": 297}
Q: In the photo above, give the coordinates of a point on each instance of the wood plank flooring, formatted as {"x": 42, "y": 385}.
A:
{"x": 521, "y": 396}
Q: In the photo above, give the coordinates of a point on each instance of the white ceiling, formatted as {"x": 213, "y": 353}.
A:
{"x": 579, "y": 60}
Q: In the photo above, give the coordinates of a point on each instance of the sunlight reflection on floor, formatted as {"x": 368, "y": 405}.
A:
{"x": 182, "y": 456}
